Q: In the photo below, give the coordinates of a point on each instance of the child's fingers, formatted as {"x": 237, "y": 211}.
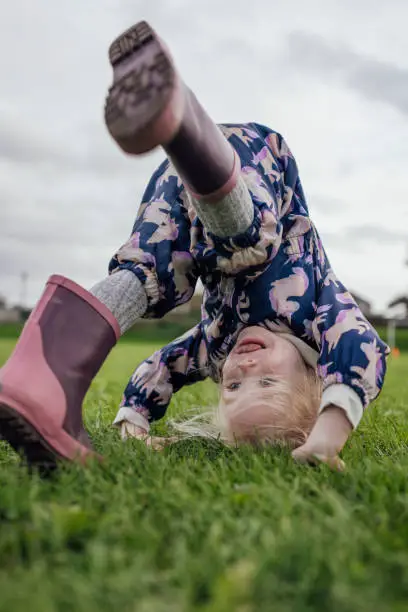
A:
{"x": 129, "y": 430}
{"x": 302, "y": 455}
{"x": 334, "y": 462}
{"x": 158, "y": 443}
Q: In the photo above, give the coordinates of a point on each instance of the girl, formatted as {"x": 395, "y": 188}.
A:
{"x": 296, "y": 360}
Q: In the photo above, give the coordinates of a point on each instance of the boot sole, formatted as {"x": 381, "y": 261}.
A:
{"x": 24, "y": 436}
{"x": 143, "y": 106}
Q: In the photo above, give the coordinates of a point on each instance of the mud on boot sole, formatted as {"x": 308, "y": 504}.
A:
{"x": 43, "y": 450}
{"x": 141, "y": 110}
{"x": 24, "y": 438}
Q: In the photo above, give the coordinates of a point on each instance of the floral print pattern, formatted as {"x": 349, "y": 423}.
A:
{"x": 276, "y": 274}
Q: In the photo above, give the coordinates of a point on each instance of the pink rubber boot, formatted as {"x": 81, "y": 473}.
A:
{"x": 63, "y": 345}
{"x": 148, "y": 105}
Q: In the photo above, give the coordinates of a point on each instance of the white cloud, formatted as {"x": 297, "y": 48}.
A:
{"x": 376, "y": 80}
{"x": 68, "y": 197}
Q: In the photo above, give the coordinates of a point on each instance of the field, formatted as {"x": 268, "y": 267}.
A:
{"x": 203, "y": 528}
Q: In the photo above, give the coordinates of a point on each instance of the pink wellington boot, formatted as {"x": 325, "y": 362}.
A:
{"x": 63, "y": 345}
{"x": 148, "y": 105}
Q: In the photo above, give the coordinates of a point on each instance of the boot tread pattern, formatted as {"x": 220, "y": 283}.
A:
{"x": 134, "y": 38}
{"x": 24, "y": 438}
{"x": 140, "y": 94}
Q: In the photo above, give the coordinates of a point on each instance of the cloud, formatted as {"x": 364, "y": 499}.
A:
{"x": 326, "y": 204}
{"x": 68, "y": 196}
{"x": 374, "y": 79}
{"x": 21, "y": 145}
{"x": 359, "y": 237}
{"x": 93, "y": 153}
{"x": 375, "y": 234}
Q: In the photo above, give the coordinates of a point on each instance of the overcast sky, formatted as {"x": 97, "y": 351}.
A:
{"x": 330, "y": 75}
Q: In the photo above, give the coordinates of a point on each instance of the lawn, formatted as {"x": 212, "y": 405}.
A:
{"x": 204, "y": 528}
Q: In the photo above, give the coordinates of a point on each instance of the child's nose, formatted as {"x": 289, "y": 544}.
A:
{"x": 247, "y": 363}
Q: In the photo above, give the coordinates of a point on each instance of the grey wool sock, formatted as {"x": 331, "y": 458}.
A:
{"x": 123, "y": 294}
{"x": 231, "y": 215}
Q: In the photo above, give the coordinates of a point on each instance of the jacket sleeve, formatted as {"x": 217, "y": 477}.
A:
{"x": 158, "y": 251}
{"x": 150, "y": 389}
{"x": 352, "y": 361}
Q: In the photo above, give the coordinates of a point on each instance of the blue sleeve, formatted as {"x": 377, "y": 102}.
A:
{"x": 158, "y": 251}
{"x": 149, "y": 391}
{"x": 351, "y": 352}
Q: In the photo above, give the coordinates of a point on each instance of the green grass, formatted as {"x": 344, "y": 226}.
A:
{"x": 203, "y": 528}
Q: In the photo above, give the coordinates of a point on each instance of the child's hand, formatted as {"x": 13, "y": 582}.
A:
{"x": 159, "y": 443}
{"x": 315, "y": 455}
{"x": 129, "y": 430}
{"x": 326, "y": 440}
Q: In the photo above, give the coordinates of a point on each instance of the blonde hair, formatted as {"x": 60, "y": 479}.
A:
{"x": 285, "y": 416}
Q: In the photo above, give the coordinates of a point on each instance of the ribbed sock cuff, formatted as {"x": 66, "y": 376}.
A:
{"x": 123, "y": 294}
{"x": 230, "y": 216}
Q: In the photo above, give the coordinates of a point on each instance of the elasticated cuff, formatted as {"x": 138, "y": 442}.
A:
{"x": 131, "y": 416}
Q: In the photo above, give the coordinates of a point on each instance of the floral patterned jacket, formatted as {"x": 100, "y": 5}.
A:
{"x": 276, "y": 274}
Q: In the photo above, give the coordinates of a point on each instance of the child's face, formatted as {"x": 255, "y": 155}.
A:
{"x": 262, "y": 354}
{"x": 260, "y": 361}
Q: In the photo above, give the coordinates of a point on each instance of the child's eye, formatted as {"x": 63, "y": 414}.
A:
{"x": 267, "y": 382}
{"x": 233, "y": 386}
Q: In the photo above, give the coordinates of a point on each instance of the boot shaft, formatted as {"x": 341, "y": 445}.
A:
{"x": 65, "y": 341}
{"x": 149, "y": 105}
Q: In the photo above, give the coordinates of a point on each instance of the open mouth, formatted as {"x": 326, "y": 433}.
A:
{"x": 249, "y": 345}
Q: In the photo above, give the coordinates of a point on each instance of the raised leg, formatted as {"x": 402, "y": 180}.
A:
{"x": 149, "y": 105}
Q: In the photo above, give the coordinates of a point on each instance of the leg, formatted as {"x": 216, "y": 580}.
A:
{"x": 123, "y": 294}
{"x": 63, "y": 345}
{"x": 71, "y": 331}
{"x": 149, "y": 105}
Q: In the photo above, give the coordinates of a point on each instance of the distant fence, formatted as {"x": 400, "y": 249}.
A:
{"x": 165, "y": 330}
{"x": 158, "y": 331}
